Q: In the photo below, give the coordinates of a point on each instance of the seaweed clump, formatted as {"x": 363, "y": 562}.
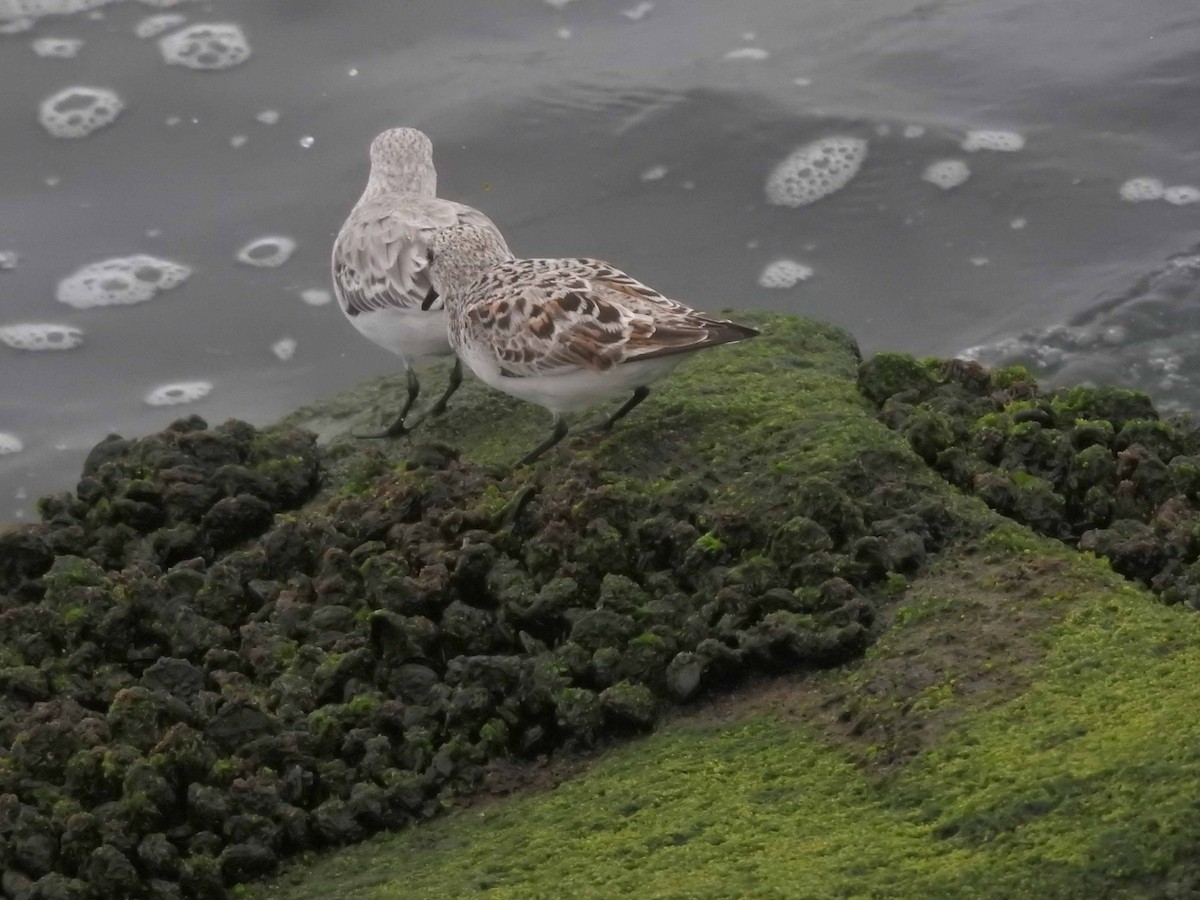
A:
{"x": 197, "y": 684}
{"x": 1094, "y": 466}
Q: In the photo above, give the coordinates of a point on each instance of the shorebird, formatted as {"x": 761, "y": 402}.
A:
{"x": 562, "y": 333}
{"x": 381, "y": 260}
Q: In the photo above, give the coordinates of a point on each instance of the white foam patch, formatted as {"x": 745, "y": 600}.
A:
{"x": 754, "y": 53}
{"x": 316, "y": 297}
{"x": 16, "y": 26}
{"x": 564, "y": 34}
{"x": 637, "y": 12}
{"x": 207, "y": 46}
{"x": 161, "y": 4}
{"x": 8, "y": 259}
{"x": 307, "y": 141}
{"x": 57, "y": 48}
{"x": 784, "y": 273}
{"x": 267, "y": 252}
{"x": 179, "y": 392}
{"x": 913, "y": 131}
{"x": 76, "y": 112}
{"x": 815, "y": 170}
{"x": 268, "y": 116}
{"x": 120, "y": 281}
{"x": 1018, "y": 223}
{"x": 654, "y": 173}
{"x": 1141, "y": 189}
{"x": 947, "y": 173}
{"x": 238, "y": 140}
{"x": 41, "y": 336}
{"x": 284, "y": 348}
{"x": 153, "y": 26}
{"x": 10, "y": 443}
{"x": 1003, "y": 141}
{"x": 1182, "y": 195}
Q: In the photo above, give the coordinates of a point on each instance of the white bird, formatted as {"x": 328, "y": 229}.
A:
{"x": 381, "y": 259}
{"x": 562, "y": 333}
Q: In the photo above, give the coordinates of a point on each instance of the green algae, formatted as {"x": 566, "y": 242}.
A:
{"x": 1022, "y": 729}
{"x": 1081, "y": 782}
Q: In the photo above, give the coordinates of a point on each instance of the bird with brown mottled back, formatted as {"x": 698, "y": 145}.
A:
{"x": 562, "y": 333}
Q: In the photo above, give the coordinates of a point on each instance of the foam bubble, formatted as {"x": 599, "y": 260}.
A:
{"x": 10, "y": 443}
{"x": 1004, "y": 141}
{"x": 1018, "y": 223}
{"x": 161, "y": 4}
{"x": 637, "y": 12}
{"x": 755, "y": 53}
{"x": 564, "y": 34}
{"x": 153, "y": 26}
{"x": 76, "y": 112}
{"x": 784, "y": 273}
{"x": 1138, "y": 190}
{"x": 120, "y": 281}
{"x": 8, "y": 259}
{"x": 57, "y": 48}
{"x": 179, "y": 392}
{"x": 238, "y": 140}
{"x": 979, "y": 260}
{"x": 284, "y": 348}
{"x": 267, "y": 252}
{"x": 913, "y": 131}
{"x": 41, "y": 336}
{"x": 307, "y": 141}
{"x": 316, "y": 297}
{"x": 1182, "y": 195}
{"x": 654, "y": 173}
{"x": 16, "y": 26}
{"x": 815, "y": 171}
{"x": 268, "y": 116}
{"x": 947, "y": 173}
{"x": 207, "y": 46}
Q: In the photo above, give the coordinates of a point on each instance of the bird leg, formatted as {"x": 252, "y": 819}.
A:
{"x": 455, "y": 380}
{"x": 639, "y": 394}
{"x": 398, "y": 428}
{"x": 559, "y": 432}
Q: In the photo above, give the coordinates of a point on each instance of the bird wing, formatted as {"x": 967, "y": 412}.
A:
{"x": 381, "y": 255}
{"x": 547, "y": 317}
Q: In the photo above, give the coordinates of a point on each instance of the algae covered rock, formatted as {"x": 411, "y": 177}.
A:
{"x": 208, "y": 666}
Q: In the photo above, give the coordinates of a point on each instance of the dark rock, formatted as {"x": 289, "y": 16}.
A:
{"x": 242, "y": 862}
{"x": 56, "y": 886}
{"x": 110, "y": 874}
{"x": 159, "y": 856}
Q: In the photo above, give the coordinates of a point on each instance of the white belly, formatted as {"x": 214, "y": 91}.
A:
{"x": 410, "y": 334}
{"x": 573, "y": 390}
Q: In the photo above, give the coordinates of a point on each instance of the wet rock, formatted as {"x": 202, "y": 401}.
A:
{"x": 110, "y": 874}
{"x": 334, "y": 824}
{"x": 56, "y": 886}
{"x": 1131, "y": 547}
{"x": 683, "y": 674}
{"x": 242, "y": 862}
{"x": 159, "y": 856}
{"x": 888, "y": 374}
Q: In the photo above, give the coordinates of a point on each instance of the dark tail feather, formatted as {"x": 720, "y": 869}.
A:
{"x": 706, "y": 333}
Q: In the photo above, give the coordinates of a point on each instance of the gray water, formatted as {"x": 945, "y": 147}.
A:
{"x": 640, "y": 133}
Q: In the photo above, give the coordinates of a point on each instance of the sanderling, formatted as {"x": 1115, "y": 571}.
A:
{"x": 381, "y": 259}
{"x": 562, "y": 333}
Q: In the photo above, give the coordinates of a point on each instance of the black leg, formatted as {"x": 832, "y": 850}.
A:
{"x": 398, "y": 428}
{"x": 639, "y": 394}
{"x": 559, "y": 432}
{"x": 455, "y": 380}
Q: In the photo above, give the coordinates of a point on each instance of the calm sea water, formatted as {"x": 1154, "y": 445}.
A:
{"x": 640, "y": 132}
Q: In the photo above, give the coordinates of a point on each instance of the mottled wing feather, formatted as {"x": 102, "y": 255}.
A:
{"x": 381, "y": 255}
{"x": 546, "y": 317}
